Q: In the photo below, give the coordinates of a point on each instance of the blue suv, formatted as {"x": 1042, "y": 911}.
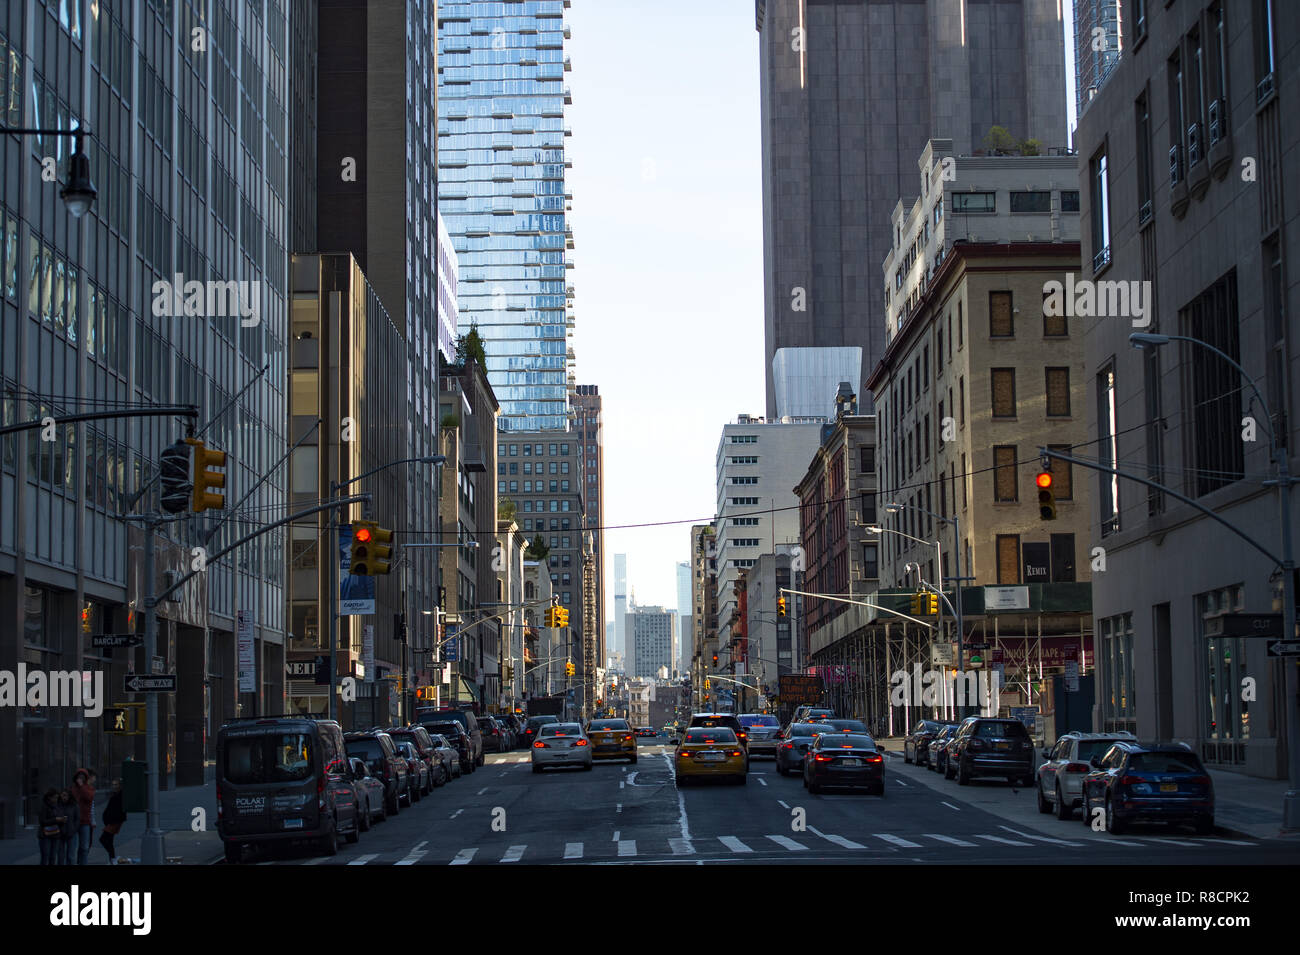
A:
{"x": 1149, "y": 782}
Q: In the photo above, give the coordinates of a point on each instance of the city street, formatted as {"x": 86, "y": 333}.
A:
{"x": 620, "y": 813}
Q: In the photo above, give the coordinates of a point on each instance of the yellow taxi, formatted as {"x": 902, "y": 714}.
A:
{"x": 612, "y": 739}
{"x": 710, "y": 751}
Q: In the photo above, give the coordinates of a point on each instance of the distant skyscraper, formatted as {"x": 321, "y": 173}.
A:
{"x": 850, "y": 93}
{"x": 501, "y": 187}
{"x": 650, "y": 641}
{"x": 620, "y": 603}
{"x": 684, "y": 636}
{"x": 1097, "y": 46}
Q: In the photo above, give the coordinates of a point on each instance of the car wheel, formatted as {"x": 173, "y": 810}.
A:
{"x": 814, "y": 788}
{"x": 482, "y": 758}
{"x": 393, "y": 806}
{"x": 963, "y": 775}
{"x": 365, "y": 822}
{"x": 355, "y": 835}
{"x": 1086, "y": 810}
{"x": 907, "y": 756}
{"x": 234, "y": 853}
{"x": 587, "y": 767}
{"x": 742, "y": 779}
{"x": 329, "y": 844}
{"x": 536, "y": 768}
{"x": 1113, "y": 825}
{"x": 948, "y": 769}
{"x": 633, "y": 760}
{"x": 1064, "y": 809}
{"x": 1043, "y": 805}
{"x": 680, "y": 781}
{"x": 1204, "y": 825}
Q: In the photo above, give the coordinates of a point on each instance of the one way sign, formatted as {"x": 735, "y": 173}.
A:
{"x": 158, "y": 683}
{"x": 1284, "y": 648}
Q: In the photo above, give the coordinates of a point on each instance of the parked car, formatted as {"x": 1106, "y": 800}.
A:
{"x": 793, "y": 744}
{"x": 763, "y": 730}
{"x": 844, "y": 760}
{"x": 370, "y": 793}
{"x": 1149, "y": 782}
{"x": 283, "y": 778}
{"x": 448, "y": 756}
{"x": 710, "y": 752}
{"x": 494, "y": 734}
{"x": 418, "y": 736}
{"x": 514, "y": 726}
{"x": 418, "y": 779}
{"x": 988, "y": 746}
{"x": 461, "y": 741}
{"x": 427, "y": 715}
{"x": 916, "y": 745}
{"x": 937, "y": 757}
{"x": 533, "y": 724}
{"x": 561, "y": 744}
{"x": 612, "y": 739}
{"x": 1060, "y": 775}
{"x": 380, "y": 753}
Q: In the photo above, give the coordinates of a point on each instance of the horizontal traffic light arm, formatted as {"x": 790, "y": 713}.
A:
{"x": 154, "y": 411}
{"x": 859, "y": 603}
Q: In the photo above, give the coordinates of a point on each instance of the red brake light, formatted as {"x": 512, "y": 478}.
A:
{"x": 1200, "y": 780}
{"x": 788, "y": 746}
{"x": 821, "y": 758}
{"x": 736, "y": 752}
{"x": 876, "y": 759}
{"x": 579, "y": 742}
{"x": 684, "y": 754}
{"x": 539, "y": 745}
{"x": 1078, "y": 768}
{"x": 1131, "y": 780}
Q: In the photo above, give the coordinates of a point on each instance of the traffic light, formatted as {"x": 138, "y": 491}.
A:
{"x": 548, "y": 617}
{"x": 117, "y": 719}
{"x": 381, "y": 552}
{"x": 932, "y": 604}
{"x": 569, "y": 668}
{"x": 780, "y": 606}
{"x": 917, "y": 605}
{"x": 1046, "y": 496}
{"x": 174, "y": 473}
{"x": 426, "y": 693}
{"x": 510, "y": 672}
{"x": 86, "y": 619}
{"x": 599, "y": 702}
{"x": 363, "y": 533}
{"x": 715, "y": 659}
{"x": 206, "y": 478}
{"x": 707, "y": 685}
{"x": 561, "y": 616}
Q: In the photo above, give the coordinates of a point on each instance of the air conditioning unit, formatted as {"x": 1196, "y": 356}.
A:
{"x": 1193, "y": 144}
{"x": 1175, "y": 165}
{"x": 1216, "y": 122}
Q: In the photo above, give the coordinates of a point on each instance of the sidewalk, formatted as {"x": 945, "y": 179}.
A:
{"x": 176, "y": 812}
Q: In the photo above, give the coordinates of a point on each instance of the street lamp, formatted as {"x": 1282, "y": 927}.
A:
{"x": 78, "y": 193}
{"x": 1283, "y": 482}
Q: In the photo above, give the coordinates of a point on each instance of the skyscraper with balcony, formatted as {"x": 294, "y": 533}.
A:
{"x": 501, "y": 165}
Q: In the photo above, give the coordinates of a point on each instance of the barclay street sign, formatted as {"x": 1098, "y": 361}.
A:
{"x": 116, "y": 640}
{"x": 157, "y": 683}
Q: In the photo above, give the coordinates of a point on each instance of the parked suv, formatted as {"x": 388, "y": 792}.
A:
{"x": 419, "y": 737}
{"x": 283, "y": 778}
{"x": 1149, "y": 782}
{"x": 459, "y": 740}
{"x": 494, "y": 734}
{"x": 1060, "y": 777}
{"x": 380, "y": 753}
{"x": 469, "y": 723}
{"x": 987, "y": 746}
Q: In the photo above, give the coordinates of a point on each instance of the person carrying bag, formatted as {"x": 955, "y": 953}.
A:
{"x": 114, "y": 816}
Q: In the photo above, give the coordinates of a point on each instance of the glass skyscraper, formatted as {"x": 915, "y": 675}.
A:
{"x": 501, "y": 167}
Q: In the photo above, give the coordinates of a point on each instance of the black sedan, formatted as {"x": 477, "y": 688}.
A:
{"x": 793, "y": 743}
{"x": 938, "y": 749}
{"x": 849, "y": 761}
{"x": 916, "y": 746}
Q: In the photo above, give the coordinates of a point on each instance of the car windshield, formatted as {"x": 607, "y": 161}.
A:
{"x": 758, "y": 721}
{"x": 449, "y": 730}
{"x": 268, "y": 758}
{"x": 1165, "y": 763}
{"x": 561, "y": 729}
{"x": 1089, "y": 748}
{"x": 720, "y": 734}
{"x": 709, "y": 722}
{"x": 808, "y": 729}
{"x": 847, "y": 741}
{"x": 536, "y": 721}
{"x": 607, "y": 725}
{"x": 849, "y": 725}
{"x": 993, "y": 730}
{"x": 367, "y": 749}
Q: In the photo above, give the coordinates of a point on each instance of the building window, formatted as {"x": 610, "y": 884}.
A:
{"x": 1100, "y": 213}
{"x": 1143, "y": 112}
{"x": 1226, "y": 717}
{"x": 1155, "y": 428}
{"x": 1062, "y": 549}
{"x": 1001, "y": 323}
{"x": 867, "y": 460}
{"x": 1262, "y": 20}
{"x": 1115, "y": 663}
{"x": 1054, "y": 326}
{"x": 925, "y": 368}
{"x": 1008, "y": 549}
{"x": 868, "y": 508}
{"x": 964, "y": 479}
{"x": 1031, "y": 201}
{"x": 871, "y": 561}
{"x": 514, "y": 450}
{"x": 973, "y": 202}
{"x": 1004, "y": 473}
{"x": 1216, "y": 387}
{"x": 1108, "y": 449}
{"x": 961, "y": 397}
{"x": 961, "y": 328}
{"x": 1058, "y": 392}
{"x": 1274, "y": 328}
{"x": 1004, "y": 392}
{"x": 1069, "y": 200}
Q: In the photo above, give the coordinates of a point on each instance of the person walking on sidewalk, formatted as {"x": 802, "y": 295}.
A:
{"x": 83, "y": 788}
{"x": 49, "y": 831}
{"x": 68, "y": 816}
{"x": 114, "y": 816}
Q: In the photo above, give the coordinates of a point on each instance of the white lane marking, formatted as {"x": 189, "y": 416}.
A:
{"x": 362, "y": 860}
{"x": 415, "y": 856}
{"x": 463, "y": 857}
{"x": 514, "y": 854}
{"x": 897, "y": 840}
{"x": 838, "y": 840}
{"x": 1226, "y": 842}
{"x": 627, "y": 847}
{"x": 762, "y": 781}
{"x": 681, "y": 847}
{"x": 1170, "y": 842}
{"x": 1026, "y": 835}
{"x": 621, "y": 784}
{"x": 899, "y": 782}
{"x": 316, "y": 861}
{"x": 951, "y": 806}
{"x": 682, "y": 821}
{"x": 573, "y": 850}
{"x": 734, "y": 844}
{"x": 481, "y": 791}
{"x": 783, "y": 804}
{"x": 1005, "y": 842}
{"x": 631, "y": 779}
{"x": 786, "y": 842}
{"x": 948, "y": 839}
{"x": 618, "y": 807}
{"x": 616, "y": 832}
{"x": 456, "y": 813}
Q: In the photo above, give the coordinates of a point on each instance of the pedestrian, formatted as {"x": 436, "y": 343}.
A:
{"x": 49, "y": 829}
{"x": 68, "y": 816}
{"x": 114, "y": 816}
{"x": 83, "y": 788}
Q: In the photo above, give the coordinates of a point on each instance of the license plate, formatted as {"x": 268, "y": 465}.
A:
{"x": 850, "y": 762}
{"x": 293, "y": 824}
{"x": 1169, "y": 787}
{"x": 711, "y": 757}
{"x": 1002, "y": 745}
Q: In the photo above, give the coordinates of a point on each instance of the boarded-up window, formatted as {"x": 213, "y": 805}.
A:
{"x": 1004, "y": 392}
{"x": 1054, "y": 325}
{"x": 1004, "y": 473}
{"x": 1000, "y": 325}
{"x": 1008, "y": 558}
{"x": 1062, "y": 474}
{"x": 1058, "y": 392}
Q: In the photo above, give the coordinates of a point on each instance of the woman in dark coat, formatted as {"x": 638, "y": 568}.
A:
{"x": 114, "y": 816}
{"x": 49, "y": 828}
{"x": 71, "y": 815}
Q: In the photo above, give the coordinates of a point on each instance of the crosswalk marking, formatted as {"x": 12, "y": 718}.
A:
{"x": 786, "y": 842}
{"x": 681, "y": 847}
{"x": 949, "y": 839}
{"x": 627, "y": 847}
{"x": 316, "y": 861}
{"x": 463, "y": 857}
{"x": 362, "y": 860}
{"x": 1005, "y": 842}
{"x": 1171, "y": 842}
{"x": 1027, "y": 835}
{"x": 838, "y": 840}
{"x": 897, "y": 840}
{"x": 514, "y": 854}
{"x": 1226, "y": 842}
{"x": 413, "y": 858}
{"x": 573, "y": 850}
{"x": 734, "y": 844}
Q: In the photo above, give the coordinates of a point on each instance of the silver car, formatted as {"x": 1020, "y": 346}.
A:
{"x": 370, "y": 794}
{"x": 763, "y": 731}
{"x": 1060, "y": 776}
{"x": 447, "y": 755}
{"x": 561, "y": 744}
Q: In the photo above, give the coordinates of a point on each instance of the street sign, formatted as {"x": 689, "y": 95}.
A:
{"x": 1244, "y": 625}
{"x": 159, "y": 683}
{"x": 1284, "y": 648}
{"x": 116, "y": 640}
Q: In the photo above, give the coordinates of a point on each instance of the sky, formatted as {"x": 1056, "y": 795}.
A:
{"x": 668, "y": 252}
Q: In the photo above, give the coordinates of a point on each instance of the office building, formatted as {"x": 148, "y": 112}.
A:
{"x": 620, "y": 603}
{"x": 1098, "y": 44}
{"x": 587, "y": 427}
{"x": 650, "y": 641}
{"x": 682, "y": 654}
{"x": 850, "y": 92}
{"x": 704, "y": 605}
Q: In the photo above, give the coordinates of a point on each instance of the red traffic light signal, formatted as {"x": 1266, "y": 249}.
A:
{"x": 1044, "y": 479}
{"x": 1046, "y": 497}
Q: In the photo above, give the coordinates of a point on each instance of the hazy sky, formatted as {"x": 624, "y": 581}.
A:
{"x": 667, "y": 222}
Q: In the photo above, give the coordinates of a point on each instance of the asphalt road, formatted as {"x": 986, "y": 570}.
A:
{"x": 629, "y": 814}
